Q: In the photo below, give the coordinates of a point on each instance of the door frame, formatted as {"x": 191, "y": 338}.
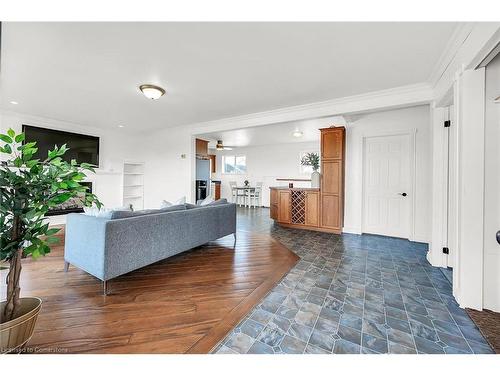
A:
{"x": 412, "y": 157}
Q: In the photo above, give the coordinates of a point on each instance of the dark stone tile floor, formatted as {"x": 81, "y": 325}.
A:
{"x": 353, "y": 294}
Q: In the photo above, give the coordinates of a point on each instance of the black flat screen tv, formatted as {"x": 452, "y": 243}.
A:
{"x": 82, "y": 148}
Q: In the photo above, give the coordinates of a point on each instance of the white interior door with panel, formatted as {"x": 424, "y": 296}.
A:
{"x": 492, "y": 187}
{"x": 387, "y": 185}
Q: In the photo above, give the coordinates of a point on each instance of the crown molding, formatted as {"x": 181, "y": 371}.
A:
{"x": 403, "y": 96}
{"x": 457, "y": 39}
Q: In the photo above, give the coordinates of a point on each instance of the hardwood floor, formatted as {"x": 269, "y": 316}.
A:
{"x": 185, "y": 304}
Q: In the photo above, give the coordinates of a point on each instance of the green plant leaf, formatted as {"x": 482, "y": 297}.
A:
{"x": 11, "y": 133}
{"x": 52, "y": 231}
{"x": 5, "y": 138}
{"x": 19, "y": 138}
{"x": 52, "y": 240}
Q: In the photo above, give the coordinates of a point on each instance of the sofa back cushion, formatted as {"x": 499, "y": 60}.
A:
{"x": 126, "y": 214}
{"x": 212, "y": 203}
{"x": 217, "y": 202}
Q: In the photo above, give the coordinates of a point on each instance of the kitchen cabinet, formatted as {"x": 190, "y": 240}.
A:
{"x": 316, "y": 209}
{"x": 201, "y": 147}
{"x": 284, "y": 213}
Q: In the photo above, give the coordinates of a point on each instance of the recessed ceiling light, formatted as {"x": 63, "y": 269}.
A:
{"x": 14, "y": 102}
{"x": 297, "y": 134}
{"x": 152, "y": 91}
{"x": 120, "y": 126}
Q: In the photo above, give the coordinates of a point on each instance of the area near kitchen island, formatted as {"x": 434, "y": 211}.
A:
{"x": 320, "y": 209}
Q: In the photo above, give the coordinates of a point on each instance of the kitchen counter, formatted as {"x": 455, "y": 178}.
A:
{"x": 294, "y": 188}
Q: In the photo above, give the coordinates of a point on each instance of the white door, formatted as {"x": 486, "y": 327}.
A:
{"x": 491, "y": 290}
{"x": 387, "y": 183}
{"x": 452, "y": 213}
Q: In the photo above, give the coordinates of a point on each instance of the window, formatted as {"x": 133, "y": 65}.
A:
{"x": 305, "y": 169}
{"x": 234, "y": 164}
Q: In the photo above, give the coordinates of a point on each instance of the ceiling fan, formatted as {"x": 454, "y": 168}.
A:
{"x": 220, "y": 146}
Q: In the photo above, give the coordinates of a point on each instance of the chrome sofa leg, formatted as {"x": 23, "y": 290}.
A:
{"x": 234, "y": 234}
{"x": 66, "y": 266}
{"x": 104, "y": 288}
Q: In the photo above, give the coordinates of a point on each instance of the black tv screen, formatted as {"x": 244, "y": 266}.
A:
{"x": 82, "y": 148}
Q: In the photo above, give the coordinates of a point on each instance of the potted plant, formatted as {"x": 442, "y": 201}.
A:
{"x": 312, "y": 159}
{"x": 29, "y": 187}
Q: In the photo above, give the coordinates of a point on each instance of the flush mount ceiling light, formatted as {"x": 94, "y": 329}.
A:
{"x": 152, "y": 91}
{"x": 297, "y": 134}
{"x": 497, "y": 100}
{"x": 220, "y": 147}
{"x": 14, "y": 102}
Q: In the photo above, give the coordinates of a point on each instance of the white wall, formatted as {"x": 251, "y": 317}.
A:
{"x": 170, "y": 166}
{"x": 266, "y": 164}
{"x": 408, "y": 119}
{"x": 115, "y": 148}
{"x": 492, "y": 188}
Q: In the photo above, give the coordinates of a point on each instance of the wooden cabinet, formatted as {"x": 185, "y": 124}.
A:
{"x": 332, "y": 143}
{"x": 273, "y": 204}
{"x": 201, "y": 147}
{"x": 330, "y": 209}
{"x": 217, "y": 191}
{"x": 213, "y": 161}
{"x": 312, "y": 208}
{"x": 332, "y": 179}
{"x": 316, "y": 209}
{"x": 284, "y": 207}
{"x": 331, "y": 183}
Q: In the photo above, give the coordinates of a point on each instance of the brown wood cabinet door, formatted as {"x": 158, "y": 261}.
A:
{"x": 213, "y": 166}
{"x": 330, "y": 211}
{"x": 217, "y": 191}
{"x": 201, "y": 147}
{"x": 312, "y": 208}
{"x": 331, "y": 179}
{"x": 332, "y": 144}
{"x": 273, "y": 204}
{"x": 284, "y": 214}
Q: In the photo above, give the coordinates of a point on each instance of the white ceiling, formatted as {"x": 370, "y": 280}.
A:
{"x": 89, "y": 72}
{"x": 273, "y": 134}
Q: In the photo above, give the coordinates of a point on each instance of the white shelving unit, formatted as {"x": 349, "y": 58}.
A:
{"x": 133, "y": 185}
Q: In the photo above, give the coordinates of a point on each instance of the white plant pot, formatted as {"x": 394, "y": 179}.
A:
{"x": 315, "y": 179}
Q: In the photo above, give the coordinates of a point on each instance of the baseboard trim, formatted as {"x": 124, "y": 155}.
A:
{"x": 351, "y": 230}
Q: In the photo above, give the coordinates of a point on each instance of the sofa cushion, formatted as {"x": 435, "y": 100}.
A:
{"x": 126, "y": 214}
{"x": 217, "y": 202}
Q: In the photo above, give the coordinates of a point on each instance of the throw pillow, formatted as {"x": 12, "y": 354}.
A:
{"x": 96, "y": 212}
{"x": 165, "y": 203}
{"x": 206, "y": 201}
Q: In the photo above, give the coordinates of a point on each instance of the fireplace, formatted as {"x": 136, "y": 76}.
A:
{"x": 71, "y": 205}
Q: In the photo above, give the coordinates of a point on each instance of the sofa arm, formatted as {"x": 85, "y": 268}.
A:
{"x": 85, "y": 243}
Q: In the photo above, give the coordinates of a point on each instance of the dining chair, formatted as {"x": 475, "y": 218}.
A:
{"x": 236, "y": 194}
{"x": 256, "y": 195}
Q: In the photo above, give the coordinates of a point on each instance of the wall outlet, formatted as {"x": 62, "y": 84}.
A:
{"x": 183, "y": 156}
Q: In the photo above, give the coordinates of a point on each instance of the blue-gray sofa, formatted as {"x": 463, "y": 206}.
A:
{"x": 110, "y": 247}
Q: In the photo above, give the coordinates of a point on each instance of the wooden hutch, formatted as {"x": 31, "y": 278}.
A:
{"x": 316, "y": 209}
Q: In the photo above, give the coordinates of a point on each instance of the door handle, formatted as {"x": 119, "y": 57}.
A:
{"x": 498, "y": 237}
{"x": 403, "y": 194}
